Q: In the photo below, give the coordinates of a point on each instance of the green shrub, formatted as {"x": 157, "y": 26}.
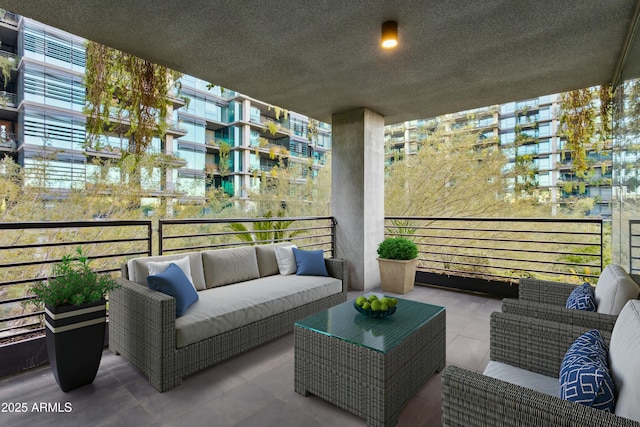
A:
{"x": 397, "y": 248}
{"x": 72, "y": 282}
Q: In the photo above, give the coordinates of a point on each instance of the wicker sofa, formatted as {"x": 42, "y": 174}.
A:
{"x": 546, "y": 300}
{"x": 243, "y": 302}
{"x": 538, "y": 347}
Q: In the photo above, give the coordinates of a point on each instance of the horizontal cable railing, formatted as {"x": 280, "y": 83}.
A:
{"x": 634, "y": 246}
{"x": 29, "y": 249}
{"x": 505, "y": 249}
{"x": 182, "y": 235}
{"x": 492, "y": 248}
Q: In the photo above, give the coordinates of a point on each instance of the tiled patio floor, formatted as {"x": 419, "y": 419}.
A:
{"x": 252, "y": 389}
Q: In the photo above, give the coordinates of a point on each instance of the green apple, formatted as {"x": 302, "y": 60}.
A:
{"x": 360, "y": 301}
{"x": 366, "y": 305}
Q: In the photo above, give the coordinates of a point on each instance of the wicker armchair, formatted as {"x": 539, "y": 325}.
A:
{"x": 546, "y": 300}
{"x": 472, "y": 399}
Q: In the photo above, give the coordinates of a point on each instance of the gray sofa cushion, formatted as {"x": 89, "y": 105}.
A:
{"x": 224, "y": 308}
{"x": 138, "y": 270}
{"x": 267, "y": 262}
{"x": 226, "y": 266}
{"x": 522, "y": 377}
{"x": 615, "y": 287}
{"x": 623, "y": 360}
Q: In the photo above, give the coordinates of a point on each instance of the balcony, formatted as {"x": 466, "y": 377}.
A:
{"x": 256, "y": 387}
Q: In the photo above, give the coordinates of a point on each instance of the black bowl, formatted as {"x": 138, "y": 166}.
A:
{"x": 375, "y": 314}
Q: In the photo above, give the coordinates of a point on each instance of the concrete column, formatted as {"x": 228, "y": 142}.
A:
{"x": 357, "y": 192}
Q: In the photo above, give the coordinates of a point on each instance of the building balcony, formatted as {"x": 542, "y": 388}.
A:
{"x": 8, "y": 142}
{"x": 176, "y": 129}
{"x": 256, "y": 387}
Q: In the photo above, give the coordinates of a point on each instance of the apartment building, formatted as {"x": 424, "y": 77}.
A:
{"x": 527, "y": 132}
{"x": 42, "y": 125}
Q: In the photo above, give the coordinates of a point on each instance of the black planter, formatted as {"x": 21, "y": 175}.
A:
{"x": 75, "y": 340}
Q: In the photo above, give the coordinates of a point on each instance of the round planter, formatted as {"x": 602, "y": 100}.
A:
{"x": 397, "y": 276}
{"x": 75, "y": 340}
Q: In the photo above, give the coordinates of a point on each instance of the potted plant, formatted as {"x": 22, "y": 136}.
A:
{"x": 397, "y": 260}
{"x": 75, "y": 313}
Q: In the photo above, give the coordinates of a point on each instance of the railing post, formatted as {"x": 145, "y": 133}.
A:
{"x": 150, "y": 237}
{"x": 333, "y": 236}
{"x": 160, "y": 248}
{"x": 601, "y": 245}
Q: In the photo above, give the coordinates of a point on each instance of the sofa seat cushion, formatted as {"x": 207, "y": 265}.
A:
{"x": 138, "y": 270}
{"x": 224, "y": 308}
{"x": 615, "y": 287}
{"x": 523, "y": 378}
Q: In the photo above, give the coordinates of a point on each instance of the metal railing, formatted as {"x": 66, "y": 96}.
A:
{"x": 28, "y": 250}
{"x": 502, "y": 249}
{"x": 505, "y": 249}
{"x": 634, "y": 246}
{"x": 182, "y": 235}
{"x": 9, "y": 18}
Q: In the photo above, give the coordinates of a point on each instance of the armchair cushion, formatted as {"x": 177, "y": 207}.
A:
{"x": 522, "y": 377}
{"x": 615, "y": 287}
{"x": 582, "y": 298}
{"x": 624, "y": 349}
{"x": 584, "y": 373}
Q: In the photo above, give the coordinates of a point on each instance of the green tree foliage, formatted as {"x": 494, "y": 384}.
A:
{"x": 578, "y": 126}
{"x": 264, "y": 232}
{"x": 585, "y": 123}
{"x": 126, "y": 95}
{"x": 290, "y": 189}
{"x": 449, "y": 176}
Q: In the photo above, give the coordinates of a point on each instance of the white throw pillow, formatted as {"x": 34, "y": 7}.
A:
{"x": 286, "y": 259}
{"x": 160, "y": 267}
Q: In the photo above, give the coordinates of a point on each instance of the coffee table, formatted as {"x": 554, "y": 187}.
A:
{"x": 370, "y": 367}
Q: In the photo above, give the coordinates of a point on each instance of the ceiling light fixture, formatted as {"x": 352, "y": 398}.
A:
{"x": 389, "y": 38}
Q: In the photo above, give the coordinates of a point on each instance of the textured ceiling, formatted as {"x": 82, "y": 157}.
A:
{"x": 322, "y": 57}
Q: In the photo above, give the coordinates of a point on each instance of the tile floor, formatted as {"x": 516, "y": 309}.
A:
{"x": 252, "y": 389}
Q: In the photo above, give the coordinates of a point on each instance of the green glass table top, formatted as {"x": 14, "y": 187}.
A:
{"x": 344, "y": 322}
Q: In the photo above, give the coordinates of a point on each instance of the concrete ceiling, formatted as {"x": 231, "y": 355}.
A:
{"x": 321, "y": 57}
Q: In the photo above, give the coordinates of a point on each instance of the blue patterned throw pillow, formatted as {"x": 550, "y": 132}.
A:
{"x": 582, "y": 298}
{"x": 584, "y": 373}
